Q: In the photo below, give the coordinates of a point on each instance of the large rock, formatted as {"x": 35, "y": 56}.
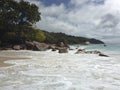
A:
{"x": 54, "y": 49}
{"x": 40, "y": 46}
{"x": 103, "y": 55}
{"x": 62, "y": 44}
{"x": 92, "y": 52}
{"x": 63, "y": 50}
{"x": 29, "y": 45}
{"x": 52, "y": 46}
{"x": 83, "y": 51}
{"x": 36, "y": 46}
{"x": 80, "y": 51}
{"x": 16, "y": 47}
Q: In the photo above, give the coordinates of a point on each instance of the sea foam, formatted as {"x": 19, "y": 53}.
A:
{"x": 53, "y": 71}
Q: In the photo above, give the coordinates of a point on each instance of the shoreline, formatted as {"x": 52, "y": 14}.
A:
{"x": 58, "y": 71}
{"x": 3, "y": 59}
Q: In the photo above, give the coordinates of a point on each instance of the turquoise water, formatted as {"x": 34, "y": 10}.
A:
{"x": 108, "y": 47}
{"x": 111, "y": 49}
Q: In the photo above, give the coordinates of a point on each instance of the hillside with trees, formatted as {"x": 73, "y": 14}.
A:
{"x": 52, "y": 37}
{"x": 16, "y": 26}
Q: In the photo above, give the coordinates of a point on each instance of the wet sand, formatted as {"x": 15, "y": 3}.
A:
{"x": 3, "y": 59}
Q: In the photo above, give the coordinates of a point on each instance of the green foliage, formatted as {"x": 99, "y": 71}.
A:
{"x": 28, "y": 13}
{"x": 34, "y": 34}
{"x": 14, "y": 13}
{"x": 10, "y": 38}
{"x": 68, "y": 39}
{"x": 18, "y": 17}
{"x": 40, "y": 36}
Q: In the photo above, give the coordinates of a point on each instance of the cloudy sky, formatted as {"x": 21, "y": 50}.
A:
{"x": 89, "y": 18}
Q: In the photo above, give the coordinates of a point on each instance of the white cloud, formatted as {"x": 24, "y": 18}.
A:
{"x": 91, "y": 18}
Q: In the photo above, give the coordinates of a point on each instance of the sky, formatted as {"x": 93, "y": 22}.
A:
{"x": 98, "y": 19}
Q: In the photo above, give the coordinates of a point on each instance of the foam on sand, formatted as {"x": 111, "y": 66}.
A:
{"x": 53, "y": 71}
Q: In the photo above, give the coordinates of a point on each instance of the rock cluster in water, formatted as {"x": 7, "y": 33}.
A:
{"x": 83, "y": 51}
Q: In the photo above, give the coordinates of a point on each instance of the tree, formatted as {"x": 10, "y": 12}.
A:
{"x": 18, "y": 13}
{"x": 17, "y": 16}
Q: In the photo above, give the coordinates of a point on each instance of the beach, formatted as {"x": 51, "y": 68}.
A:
{"x": 7, "y": 56}
{"x": 47, "y": 70}
{"x": 59, "y": 45}
{"x": 3, "y": 59}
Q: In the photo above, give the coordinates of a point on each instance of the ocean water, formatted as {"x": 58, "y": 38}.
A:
{"x": 110, "y": 49}
{"x": 53, "y": 71}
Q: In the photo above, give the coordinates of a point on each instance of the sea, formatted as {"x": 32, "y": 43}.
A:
{"x": 48, "y": 70}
